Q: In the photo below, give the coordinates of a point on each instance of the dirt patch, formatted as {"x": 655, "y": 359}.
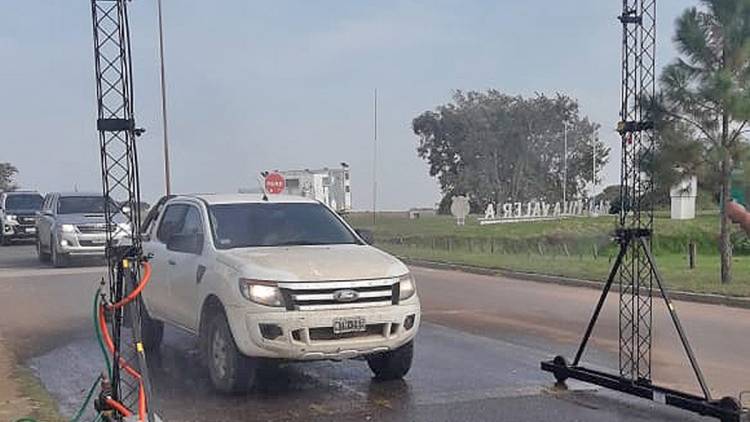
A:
{"x": 13, "y": 404}
{"x": 21, "y": 393}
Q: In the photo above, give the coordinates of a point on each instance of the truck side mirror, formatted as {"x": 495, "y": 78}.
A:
{"x": 366, "y": 235}
{"x": 188, "y": 243}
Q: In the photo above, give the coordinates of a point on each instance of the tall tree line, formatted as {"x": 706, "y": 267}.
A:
{"x": 705, "y": 102}
{"x": 496, "y": 147}
{"x": 7, "y": 176}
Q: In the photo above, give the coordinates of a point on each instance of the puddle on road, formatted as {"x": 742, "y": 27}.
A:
{"x": 450, "y": 367}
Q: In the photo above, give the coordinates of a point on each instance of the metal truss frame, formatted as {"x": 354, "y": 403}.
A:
{"x": 635, "y": 270}
{"x": 120, "y": 187}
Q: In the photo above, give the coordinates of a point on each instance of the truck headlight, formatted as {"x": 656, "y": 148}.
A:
{"x": 11, "y": 218}
{"x": 406, "y": 287}
{"x": 67, "y": 228}
{"x": 261, "y": 292}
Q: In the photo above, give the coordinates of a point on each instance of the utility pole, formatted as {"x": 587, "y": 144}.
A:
{"x": 565, "y": 162}
{"x": 593, "y": 169}
{"x": 167, "y": 181}
{"x": 375, "y": 162}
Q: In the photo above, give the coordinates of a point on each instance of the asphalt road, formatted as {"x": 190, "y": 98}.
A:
{"x": 477, "y": 355}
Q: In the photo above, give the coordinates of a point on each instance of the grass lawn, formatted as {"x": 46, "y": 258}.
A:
{"x": 670, "y": 235}
{"x": 564, "y": 247}
{"x": 674, "y": 268}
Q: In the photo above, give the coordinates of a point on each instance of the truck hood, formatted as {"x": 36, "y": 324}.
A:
{"x": 23, "y": 212}
{"x": 86, "y": 219}
{"x": 313, "y": 263}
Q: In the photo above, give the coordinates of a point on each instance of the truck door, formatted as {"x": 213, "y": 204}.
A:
{"x": 44, "y": 222}
{"x": 186, "y": 269}
{"x": 157, "y": 294}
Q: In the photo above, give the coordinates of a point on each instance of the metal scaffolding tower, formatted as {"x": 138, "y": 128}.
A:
{"x": 634, "y": 268}
{"x": 119, "y": 170}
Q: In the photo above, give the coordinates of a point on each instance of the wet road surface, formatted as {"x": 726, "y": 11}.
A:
{"x": 476, "y": 358}
{"x": 552, "y": 317}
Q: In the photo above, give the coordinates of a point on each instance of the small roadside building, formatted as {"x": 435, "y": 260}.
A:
{"x": 332, "y": 186}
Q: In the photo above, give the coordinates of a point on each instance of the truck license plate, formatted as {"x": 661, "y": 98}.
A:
{"x": 31, "y": 230}
{"x": 348, "y": 325}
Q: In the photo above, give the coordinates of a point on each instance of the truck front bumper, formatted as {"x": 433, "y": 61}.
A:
{"x": 77, "y": 244}
{"x": 19, "y": 231}
{"x": 84, "y": 244}
{"x": 308, "y": 335}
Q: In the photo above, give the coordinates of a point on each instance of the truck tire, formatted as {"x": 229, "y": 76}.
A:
{"x": 231, "y": 372}
{"x": 43, "y": 256}
{"x": 152, "y": 332}
{"x": 4, "y": 241}
{"x": 393, "y": 364}
{"x": 58, "y": 260}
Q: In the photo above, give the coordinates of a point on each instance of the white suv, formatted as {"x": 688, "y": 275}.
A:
{"x": 280, "y": 278}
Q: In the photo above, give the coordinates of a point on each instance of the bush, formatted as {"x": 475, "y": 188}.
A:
{"x": 740, "y": 243}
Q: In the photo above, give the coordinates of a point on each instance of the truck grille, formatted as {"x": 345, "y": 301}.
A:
{"x": 90, "y": 243}
{"x": 94, "y": 228}
{"x": 26, "y": 220}
{"x": 312, "y": 296}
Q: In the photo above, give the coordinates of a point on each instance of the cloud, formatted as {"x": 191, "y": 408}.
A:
{"x": 365, "y": 35}
{"x": 372, "y": 35}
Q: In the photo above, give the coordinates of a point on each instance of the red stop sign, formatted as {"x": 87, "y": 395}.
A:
{"x": 275, "y": 183}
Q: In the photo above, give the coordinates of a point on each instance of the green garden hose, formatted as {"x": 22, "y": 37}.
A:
{"x": 99, "y": 332}
{"x": 90, "y": 394}
{"x": 81, "y": 409}
{"x": 88, "y": 399}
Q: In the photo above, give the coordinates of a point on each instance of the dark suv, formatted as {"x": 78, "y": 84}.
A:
{"x": 18, "y": 215}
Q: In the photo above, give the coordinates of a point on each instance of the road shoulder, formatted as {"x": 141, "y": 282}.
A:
{"x": 21, "y": 393}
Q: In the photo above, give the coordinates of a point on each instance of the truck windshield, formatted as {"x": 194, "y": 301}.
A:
{"x": 30, "y": 201}
{"x": 269, "y": 224}
{"x": 80, "y": 205}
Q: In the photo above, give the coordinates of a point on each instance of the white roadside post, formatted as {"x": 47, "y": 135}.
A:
{"x": 565, "y": 161}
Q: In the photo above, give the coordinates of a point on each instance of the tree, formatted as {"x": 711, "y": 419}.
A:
{"x": 611, "y": 194}
{"x": 496, "y": 147}
{"x": 677, "y": 155}
{"x": 7, "y": 174}
{"x": 707, "y": 88}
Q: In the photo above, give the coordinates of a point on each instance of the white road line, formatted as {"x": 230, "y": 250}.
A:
{"x": 497, "y": 393}
{"x": 474, "y": 395}
{"x": 44, "y": 272}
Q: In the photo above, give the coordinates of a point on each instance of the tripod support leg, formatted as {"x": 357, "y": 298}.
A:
{"x": 602, "y": 299}
{"x": 676, "y": 321}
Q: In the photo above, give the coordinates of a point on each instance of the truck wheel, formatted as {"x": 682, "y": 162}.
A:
{"x": 4, "y": 241}
{"x": 393, "y": 364}
{"x": 231, "y": 371}
{"x": 58, "y": 260}
{"x": 43, "y": 256}
{"x": 152, "y": 332}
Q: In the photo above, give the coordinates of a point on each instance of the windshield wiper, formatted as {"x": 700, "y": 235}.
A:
{"x": 297, "y": 243}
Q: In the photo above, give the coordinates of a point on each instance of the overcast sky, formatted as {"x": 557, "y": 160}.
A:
{"x": 283, "y": 84}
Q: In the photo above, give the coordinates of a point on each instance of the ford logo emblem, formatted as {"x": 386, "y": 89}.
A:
{"x": 345, "y": 295}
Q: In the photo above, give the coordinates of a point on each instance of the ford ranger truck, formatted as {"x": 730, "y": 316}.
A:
{"x": 262, "y": 280}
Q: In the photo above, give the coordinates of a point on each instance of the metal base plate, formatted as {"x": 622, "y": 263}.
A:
{"x": 726, "y": 409}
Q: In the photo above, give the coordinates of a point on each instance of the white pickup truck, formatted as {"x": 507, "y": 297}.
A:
{"x": 261, "y": 280}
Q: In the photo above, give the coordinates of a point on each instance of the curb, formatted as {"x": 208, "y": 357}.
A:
{"x": 711, "y": 299}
